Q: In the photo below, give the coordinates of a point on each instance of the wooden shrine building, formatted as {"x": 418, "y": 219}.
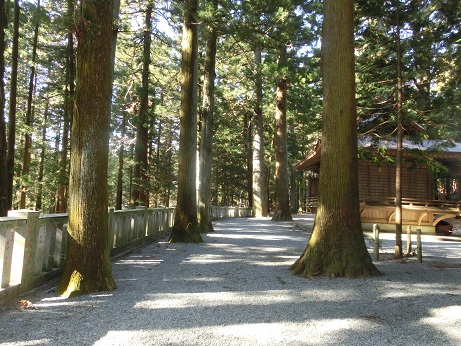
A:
{"x": 426, "y": 200}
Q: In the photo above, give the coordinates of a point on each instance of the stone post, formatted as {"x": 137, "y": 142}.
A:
{"x": 30, "y": 247}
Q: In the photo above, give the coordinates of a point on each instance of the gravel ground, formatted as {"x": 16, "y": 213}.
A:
{"x": 236, "y": 289}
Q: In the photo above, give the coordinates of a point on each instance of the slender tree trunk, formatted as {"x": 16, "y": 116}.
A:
{"x": 4, "y": 189}
{"x": 336, "y": 246}
{"x": 282, "y": 210}
{"x": 157, "y": 163}
{"x": 186, "y": 227}
{"x": 88, "y": 267}
{"x": 206, "y": 135}
{"x": 248, "y": 136}
{"x": 13, "y": 102}
{"x": 61, "y": 203}
{"x": 140, "y": 176}
{"x": 121, "y": 152}
{"x": 260, "y": 196}
{"x": 29, "y": 119}
{"x": 169, "y": 166}
{"x": 41, "y": 166}
{"x": 398, "y": 253}
{"x": 294, "y": 191}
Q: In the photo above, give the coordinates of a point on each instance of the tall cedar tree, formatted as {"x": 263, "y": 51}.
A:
{"x": 260, "y": 200}
{"x": 69, "y": 92}
{"x": 3, "y": 148}
{"x": 398, "y": 161}
{"x": 29, "y": 114}
{"x": 206, "y": 130}
{"x": 88, "y": 267}
{"x": 13, "y": 103}
{"x": 282, "y": 210}
{"x": 186, "y": 227}
{"x": 140, "y": 175}
{"x": 337, "y": 246}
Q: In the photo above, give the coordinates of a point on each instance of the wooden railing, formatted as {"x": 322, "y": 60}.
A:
{"x": 33, "y": 245}
{"x": 412, "y": 203}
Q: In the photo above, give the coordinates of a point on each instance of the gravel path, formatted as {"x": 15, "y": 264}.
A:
{"x": 236, "y": 289}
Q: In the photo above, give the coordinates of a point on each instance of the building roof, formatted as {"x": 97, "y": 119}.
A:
{"x": 449, "y": 154}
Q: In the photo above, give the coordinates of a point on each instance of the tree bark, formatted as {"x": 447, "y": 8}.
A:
{"x": 206, "y": 131}
{"x": 186, "y": 227}
{"x": 13, "y": 103}
{"x": 29, "y": 118}
{"x": 121, "y": 154}
{"x": 4, "y": 190}
{"x": 41, "y": 166}
{"x": 398, "y": 251}
{"x": 61, "y": 203}
{"x": 140, "y": 176}
{"x": 282, "y": 210}
{"x": 88, "y": 267}
{"x": 336, "y": 246}
{"x": 260, "y": 196}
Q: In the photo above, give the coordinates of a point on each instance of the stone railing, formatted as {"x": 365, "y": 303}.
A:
{"x": 33, "y": 245}
{"x": 229, "y": 212}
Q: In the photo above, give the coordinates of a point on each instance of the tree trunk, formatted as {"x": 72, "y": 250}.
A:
{"x": 186, "y": 227}
{"x": 121, "y": 152}
{"x": 13, "y": 101}
{"x": 294, "y": 191}
{"x": 29, "y": 119}
{"x": 248, "y": 137}
{"x": 140, "y": 176}
{"x": 41, "y": 166}
{"x": 398, "y": 251}
{"x": 61, "y": 203}
{"x": 169, "y": 154}
{"x": 88, "y": 267}
{"x": 206, "y": 134}
{"x": 260, "y": 197}
{"x": 336, "y": 246}
{"x": 4, "y": 190}
{"x": 282, "y": 210}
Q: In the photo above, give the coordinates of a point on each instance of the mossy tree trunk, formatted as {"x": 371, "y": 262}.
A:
{"x": 206, "y": 130}
{"x": 337, "y": 247}
{"x": 88, "y": 267}
{"x": 282, "y": 210}
{"x": 186, "y": 227}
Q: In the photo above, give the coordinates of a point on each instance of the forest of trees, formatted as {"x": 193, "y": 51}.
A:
{"x": 260, "y": 47}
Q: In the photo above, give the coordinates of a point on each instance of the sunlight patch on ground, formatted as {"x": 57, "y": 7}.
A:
{"x": 209, "y": 258}
{"x": 62, "y": 301}
{"x": 213, "y": 299}
{"x": 323, "y": 332}
{"x": 220, "y": 299}
{"x": 400, "y": 290}
{"x": 139, "y": 261}
{"x": 263, "y": 333}
{"x": 249, "y": 236}
{"x": 446, "y": 319}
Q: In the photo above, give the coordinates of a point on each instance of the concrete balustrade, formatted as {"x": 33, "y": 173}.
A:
{"x": 33, "y": 245}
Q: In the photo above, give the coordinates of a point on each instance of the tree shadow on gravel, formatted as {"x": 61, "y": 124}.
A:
{"x": 236, "y": 289}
